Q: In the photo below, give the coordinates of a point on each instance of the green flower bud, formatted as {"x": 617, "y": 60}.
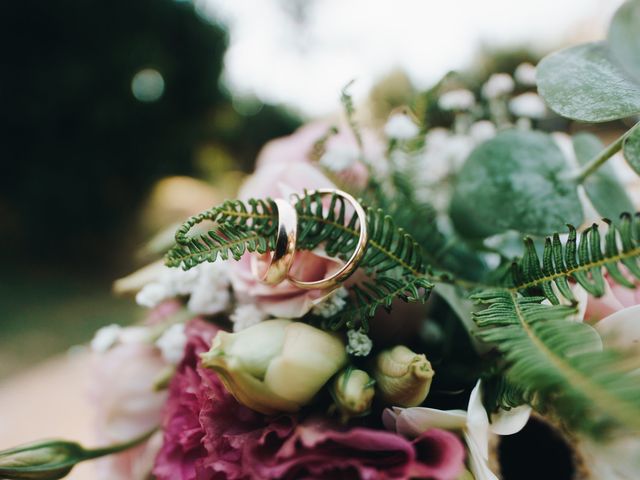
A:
{"x": 403, "y": 377}
{"x": 46, "y": 460}
{"x": 276, "y": 365}
{"x": 353, "y": 392}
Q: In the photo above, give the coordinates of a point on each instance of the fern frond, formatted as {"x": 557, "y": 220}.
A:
{"x": 560, "y": 363}
{"x": 391, "y": 255}
{"x": 369, "y": 296}
{"x": 582, "y": 259}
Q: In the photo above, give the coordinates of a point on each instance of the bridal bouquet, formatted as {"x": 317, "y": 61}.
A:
{"x": 367, "y": 307}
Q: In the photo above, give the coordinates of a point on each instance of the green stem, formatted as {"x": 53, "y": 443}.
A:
{"x": 590, "y": 167}
{"x": 119, "y": 447}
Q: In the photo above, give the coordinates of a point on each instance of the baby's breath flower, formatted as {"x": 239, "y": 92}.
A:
{"x": 246, "y": 316}
{"x": 339, "y": 157}
{"x": 359, "y": 343}
{"x": 498, "y": 85}
{"x": 105, "y": 338}
{"x": 528, "y": 105}
{"x": 172, "y": 342}
{"x": 525, "y": 74}
{"x": 332, "y": 304}
{"x": 401, "y": 127}
{"x": 152, "y": 294}
{"x": 461, "y": 99}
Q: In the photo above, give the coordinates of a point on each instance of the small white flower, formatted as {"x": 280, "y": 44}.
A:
{"x": 498, "y": 85}
{"x": 482, "y": 130}
{"x": 401, "y": 127}
{"x": 528, "y": 105}
{"x": 172, "y": 342}
{"x": 246, "y": 316}
{"x": 359, "y": 343}
{"x": 525, "y": 74}
{"x": 339, "y": 157}
{"x": 179, "y": 281}
{"x": 210, "y": 293}
{"x": 105, "y": 338}
{"x": 461, "y": 99}
{"x": 209, "y": 301}
{"x": 331, "y": 304}
{"x": 152, "y": 294}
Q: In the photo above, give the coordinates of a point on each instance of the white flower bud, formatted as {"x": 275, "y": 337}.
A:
{"x": 528, "y": 105}
{"x": 525, "y": 74}
{"x": 353, "y": 392}
{"x": 461, "y": 99}
{"x": 498, "y": 85}
{"x": 105, "y": 338}
{"x": 403, "y": 377}
{"x": 360, "y": 344}
{"x": 152, "y": 294}
{"x": 276, "y": 365}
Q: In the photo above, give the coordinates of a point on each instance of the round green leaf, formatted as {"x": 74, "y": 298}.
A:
{"x": 585, "y": 83}
{"x": 513, "y": 182}
{"x": 631, "y": 150}
{"x": 602, "y": 187}
{"x": 624, "y": 37}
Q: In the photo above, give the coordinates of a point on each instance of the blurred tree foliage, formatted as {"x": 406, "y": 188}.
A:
{"x": 79, "y": 151}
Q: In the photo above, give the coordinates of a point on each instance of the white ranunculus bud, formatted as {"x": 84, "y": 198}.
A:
{"x": 403, "y": 377}
{"x": 276, "y": 365}
{"x": 353, "y": 392}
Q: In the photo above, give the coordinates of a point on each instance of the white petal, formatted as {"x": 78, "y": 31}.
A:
{"x": 621, "y": 329}
{"x": 478, "y": 421}
{"x": 508, "y": 422}
{"x": 414, "y": 421}
{"x": 478, "y": 463}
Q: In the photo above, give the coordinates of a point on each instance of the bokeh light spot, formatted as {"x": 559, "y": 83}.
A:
{"x": 147, "y": 85}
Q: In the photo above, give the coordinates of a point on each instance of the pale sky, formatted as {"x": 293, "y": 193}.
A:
{"x": 303, "y": 60}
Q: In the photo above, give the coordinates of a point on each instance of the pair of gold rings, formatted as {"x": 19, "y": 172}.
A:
{"x": 279, "y": 262}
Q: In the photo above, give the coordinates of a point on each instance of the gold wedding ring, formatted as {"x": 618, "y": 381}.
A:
{"x": 280, "y": 260}
{"x": 352, "y": 264}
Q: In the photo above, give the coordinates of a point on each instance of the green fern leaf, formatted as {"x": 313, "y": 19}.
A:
{"x": 559, "y": 364}
{"x": 391, "y": 255}
{"x": 583, "y": 259}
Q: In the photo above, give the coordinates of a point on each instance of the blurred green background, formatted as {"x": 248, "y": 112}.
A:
{"x": 100, "y": 100}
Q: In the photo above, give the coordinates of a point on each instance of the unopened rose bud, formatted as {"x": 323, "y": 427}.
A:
{"x": 353, "y": 392}
{"x": 47, "y": 460}
{"x": 403, "y": 377}
{"x": 276, "y": 365}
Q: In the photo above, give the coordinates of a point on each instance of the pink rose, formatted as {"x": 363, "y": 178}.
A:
{"x": 209, "y": 435}
{"x": 616, "y": 298}
{"x": 290, "y": 173}
{"x": 341, "y": 150}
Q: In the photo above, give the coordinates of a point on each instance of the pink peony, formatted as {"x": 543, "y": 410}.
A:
{"x": 209, "y": 435}
{"x": 616, "y": 298}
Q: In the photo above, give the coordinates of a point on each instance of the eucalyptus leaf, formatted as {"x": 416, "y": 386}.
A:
{"x": 631, "y": 149}
{"x": 515, "y": 182}
{"x": 603, "y": 188}
{"x": 624, "y": 37}
{"x": 585, "y": 83}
